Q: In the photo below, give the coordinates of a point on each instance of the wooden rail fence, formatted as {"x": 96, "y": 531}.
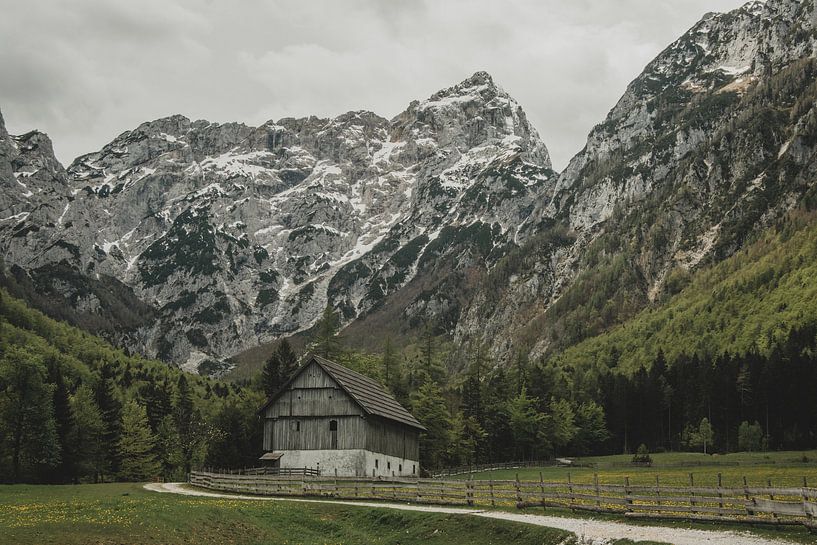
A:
{"x": 749, "y": 504}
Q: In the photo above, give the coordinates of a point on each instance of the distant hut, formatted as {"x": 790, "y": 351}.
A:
{"x": 331, "y": 418}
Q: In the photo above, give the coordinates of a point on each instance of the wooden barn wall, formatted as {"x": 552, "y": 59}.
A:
{"x": 313, "y": 393}
{"x": 392, "y": 438}
{"x": 314, "y": 433}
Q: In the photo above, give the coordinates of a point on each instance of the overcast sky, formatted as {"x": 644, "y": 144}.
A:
{"x": 86, "y": 70}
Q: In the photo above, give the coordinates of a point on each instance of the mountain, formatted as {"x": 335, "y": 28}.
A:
{"x": 712, "y": 143}
{"x": 194, "y": 240}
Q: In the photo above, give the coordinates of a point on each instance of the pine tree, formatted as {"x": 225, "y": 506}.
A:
{"x": 325, "y": 342}
{"x": 137, "y": 445}
{"x": 430, "y": 409}
{"x": 86, "y": 435}
{"x": 528, "y": 426}
{"x": 111, "y": 409}
{"x": 389, "y": 362}
{"x": 271, "y": 375}
{"x": 278, "y": 369}
{"x": 64, "y": 420}
{"x": 169, "y": 448}
{"x": 288, "y": 359}
{"x": 26, "y": 414}
{"x": 157, "y": 398}
{"x": 186, "y": 422}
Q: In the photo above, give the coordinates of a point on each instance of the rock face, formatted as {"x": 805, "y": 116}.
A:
{"x": 193, "y": 241}
{"x": 713, "y": 142}
{"x": 234, "y": 235}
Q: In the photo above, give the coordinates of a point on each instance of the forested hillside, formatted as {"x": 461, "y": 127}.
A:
{"x": 730, "y": 360}
{"x": 732, "y": 357}
{"x": 74, "y": 408}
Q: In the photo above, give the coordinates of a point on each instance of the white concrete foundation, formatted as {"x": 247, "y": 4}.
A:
{"x": 351, "y": 463}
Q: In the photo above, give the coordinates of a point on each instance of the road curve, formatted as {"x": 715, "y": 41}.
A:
{"x": 595, "y": 532}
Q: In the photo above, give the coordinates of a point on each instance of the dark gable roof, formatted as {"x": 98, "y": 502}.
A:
{"x": 368, "y": 393}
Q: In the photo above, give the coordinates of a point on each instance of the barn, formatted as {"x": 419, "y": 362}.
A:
{"x": 331, "y": 418}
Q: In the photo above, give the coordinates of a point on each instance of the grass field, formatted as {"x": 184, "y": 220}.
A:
{"x": 782, "y": 468}
{"x": 126, "y": 514}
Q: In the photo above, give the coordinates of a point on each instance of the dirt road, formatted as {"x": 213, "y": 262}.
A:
{"x": 592, "y": 532}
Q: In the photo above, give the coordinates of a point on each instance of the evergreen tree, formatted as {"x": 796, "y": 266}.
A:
{"x": 169, "y": 450}
{"x": 86, "y": 434}
{"x": 271, "y": 375}
{"x": 325, "y": 342}
{"x": 500, "y": 439}
{"x": 231, "y": 444}
{"x": 137, "y": 445}
{"x": 187, "y": 422}
{"x": 288, "y": 358}
{"x": 64, "y": 420}
{"x": 389, "y": 364}
{"x": 157, "y": 398}
{"x": 26, "y": 415}
{"x": 430, "y": 409}
{"x": 278, "y": 369}
{"x": 111, "y": 409}
{"x": 528, "y": 426}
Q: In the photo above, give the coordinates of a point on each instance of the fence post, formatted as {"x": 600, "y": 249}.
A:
{"x": 336, "y": 482}
{"x": 419, "y": 496}
{"x": 542, "y": 488}
{"x": 657, "y": 490}
{"x": 771, "y": 496}
{"x": 518, "y": 490}
{"x": 805, "y": 503}
{"x": 749, "y": 499}
{"x": 598, "y": 492}
{"x": 491, "y": 488}
{"x": 692, "y": 492}
{"x": 570, "y": 490}
{"x": 627, "y": 491}
{"x": 469, "y": 494}
{"x": 720, "y": 492}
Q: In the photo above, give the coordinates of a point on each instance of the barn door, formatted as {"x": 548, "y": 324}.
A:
{"x": 333, "y": 434}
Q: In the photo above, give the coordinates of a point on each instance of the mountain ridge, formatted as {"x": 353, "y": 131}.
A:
{"x": 448, "y": 214}
{"x": 307, "y": 197}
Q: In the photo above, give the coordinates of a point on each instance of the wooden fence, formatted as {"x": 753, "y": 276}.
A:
{"x": 750, "y": 504}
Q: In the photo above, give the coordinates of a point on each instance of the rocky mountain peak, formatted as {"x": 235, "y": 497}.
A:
{"x": 234, "y": 234}
{"x": 471, "y": 114}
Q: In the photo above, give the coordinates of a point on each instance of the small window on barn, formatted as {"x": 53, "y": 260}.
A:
{"x": 333, "y": 425}
{"x": 388, "y": 465}
{"x": 298, "y": 425}
{"x": 413, "y": 469}
{"x": 377, "y": 463}
{"x": 400, "y": 468}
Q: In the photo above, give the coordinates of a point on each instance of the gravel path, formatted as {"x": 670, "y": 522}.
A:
{"x": 594, "y": 532}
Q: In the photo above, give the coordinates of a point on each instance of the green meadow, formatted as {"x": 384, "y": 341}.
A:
{"x": 126, "y": 514}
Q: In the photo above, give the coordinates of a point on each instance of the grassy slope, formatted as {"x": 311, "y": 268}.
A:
{"x": 127, "y": 514}
{"x": 783, "y": 468}
{"x": 749, "y": 302}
